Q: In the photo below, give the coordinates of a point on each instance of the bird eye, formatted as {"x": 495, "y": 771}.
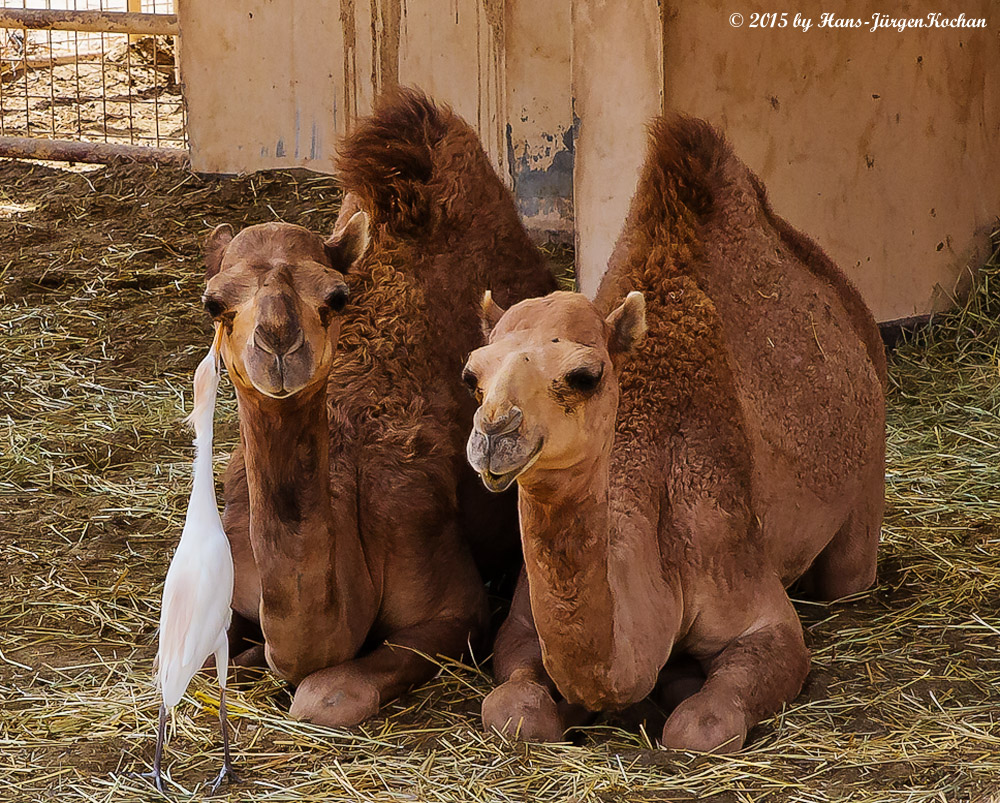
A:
{"x": 584, "y": 380}
{"x": 337, "y": 300}
{"x": 213, "y": 306}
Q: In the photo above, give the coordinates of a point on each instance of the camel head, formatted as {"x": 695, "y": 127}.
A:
{"x": 546, "y": 384}
{"x": 277, "y": 289}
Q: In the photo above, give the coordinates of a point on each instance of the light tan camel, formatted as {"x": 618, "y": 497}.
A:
{"x": 681, "y": 458}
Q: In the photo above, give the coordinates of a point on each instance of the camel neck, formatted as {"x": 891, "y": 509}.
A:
{"x": 314, "y": 578}
{"x": 599, "y": 600}
{"x": 286, "y": 443}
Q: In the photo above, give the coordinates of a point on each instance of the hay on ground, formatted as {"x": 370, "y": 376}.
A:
{"x": 101, "y": 330}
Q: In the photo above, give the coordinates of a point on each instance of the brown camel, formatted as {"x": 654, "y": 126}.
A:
{"x": 349, "y": 506}
{"x": 681, "y": 458}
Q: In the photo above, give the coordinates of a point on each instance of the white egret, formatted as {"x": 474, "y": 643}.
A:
{"x": 198, "y": 591}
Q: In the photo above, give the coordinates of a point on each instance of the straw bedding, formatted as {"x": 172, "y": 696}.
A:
{"x": 100, "y": 332}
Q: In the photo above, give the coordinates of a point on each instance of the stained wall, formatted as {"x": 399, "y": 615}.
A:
{"x": 884, "y": 146}
{"x": 881, "y": 145}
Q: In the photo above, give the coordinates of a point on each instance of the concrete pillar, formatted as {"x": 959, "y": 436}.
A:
{"x": 617, "y": 88}
{"x": 539, "y": 115}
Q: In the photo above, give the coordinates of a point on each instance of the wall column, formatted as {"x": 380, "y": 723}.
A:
{"x": 617, "y": 88}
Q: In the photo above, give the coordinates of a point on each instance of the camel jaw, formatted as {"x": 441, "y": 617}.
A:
{"x": 497, "y": 483}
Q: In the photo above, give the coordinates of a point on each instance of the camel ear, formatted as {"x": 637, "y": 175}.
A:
{"x": 348, "y": 244}
{"x": 627, "y": 324}
{"x": 490, "y": 313}
{"x": 215, "y": 248}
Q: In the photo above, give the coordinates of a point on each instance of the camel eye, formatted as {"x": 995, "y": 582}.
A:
{"x": 337, "y": 300}
{"x": 471, "y": 381}
{"x": 213, "y": 306}
{"x": 584, "y": 380}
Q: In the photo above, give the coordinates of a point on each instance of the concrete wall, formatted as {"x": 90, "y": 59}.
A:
{"x": 617, "y": 86}
{"x": 881, "y": 145}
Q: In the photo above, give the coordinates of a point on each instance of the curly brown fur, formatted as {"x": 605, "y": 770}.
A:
{"x": 355, "y": 521}
{"x": 389, "y": 161}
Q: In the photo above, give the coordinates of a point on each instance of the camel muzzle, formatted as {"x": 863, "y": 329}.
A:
{"x": 500, "y": 458}
{"x": 277, "y": 342}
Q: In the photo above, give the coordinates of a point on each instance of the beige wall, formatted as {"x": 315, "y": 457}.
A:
{"x": 883, "y": 146}
{"x": 261, "y": 83}
{"x": 274, "y": 84}
{"x": 617, "y": 84}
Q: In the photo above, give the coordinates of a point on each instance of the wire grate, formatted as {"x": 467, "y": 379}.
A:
{"x": 95, "y": 87}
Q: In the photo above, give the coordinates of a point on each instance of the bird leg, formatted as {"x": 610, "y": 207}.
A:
{"x": 227, "y": 765}
{"x": 155, "y": 775}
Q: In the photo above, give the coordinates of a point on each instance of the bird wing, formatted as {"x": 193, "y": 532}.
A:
{"x": 197, "y": 596}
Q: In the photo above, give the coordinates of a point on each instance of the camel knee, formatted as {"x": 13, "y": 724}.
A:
{"x": 704, "y": 725}
{"x": 522, "y": 709}
{"x": 335, "y": 700}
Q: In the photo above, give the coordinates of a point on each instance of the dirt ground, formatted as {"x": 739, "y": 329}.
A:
{"x": 100, "y": 331}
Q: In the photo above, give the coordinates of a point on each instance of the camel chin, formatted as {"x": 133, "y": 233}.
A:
{"x": 498, "y": 483}
{"x": 483, "y": 458}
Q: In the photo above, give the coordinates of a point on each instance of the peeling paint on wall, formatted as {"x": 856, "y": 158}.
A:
{"x": 543, "y": 184}
{"x": 539, "y": 137}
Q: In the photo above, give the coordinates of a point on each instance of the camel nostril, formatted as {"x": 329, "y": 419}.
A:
{"x": 279, "y": 343}
{"x": 501, "y": 425}
{"x": 297, "y": 343}
{"x": 261, "y": 341}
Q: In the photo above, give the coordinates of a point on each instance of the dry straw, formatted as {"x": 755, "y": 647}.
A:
{"x": 100, "y": 333}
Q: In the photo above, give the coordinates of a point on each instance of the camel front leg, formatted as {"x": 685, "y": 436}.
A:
{"x": 347, "y": 694}
{"x": 524, "y": 705}
{"x": 246, "y": 641}
{"x": 749, "y": 680}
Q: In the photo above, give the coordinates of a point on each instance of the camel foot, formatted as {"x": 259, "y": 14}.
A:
{"x": 523, "y": 709}
{"x": 249, "y": 665}
{"x": 705, "y": 726}
{"x": 251, "y": 658}
{"x": 335, "y": 702}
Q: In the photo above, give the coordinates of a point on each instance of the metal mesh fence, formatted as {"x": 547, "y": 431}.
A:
{"x": 95, "y": 87}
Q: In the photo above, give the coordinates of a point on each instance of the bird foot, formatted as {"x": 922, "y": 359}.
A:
{"x": 153, "y": 776}
{"x": 226, "y": 774}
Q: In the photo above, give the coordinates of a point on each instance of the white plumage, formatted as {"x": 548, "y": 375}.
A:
{"x": 198, "y": 591}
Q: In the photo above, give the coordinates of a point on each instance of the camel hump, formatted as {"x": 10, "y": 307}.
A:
{"x": 388, "y": 160}
{"x": 810, "y": 253}
{"x": 691, "y": 167}
{"x": 685, "y": 163}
